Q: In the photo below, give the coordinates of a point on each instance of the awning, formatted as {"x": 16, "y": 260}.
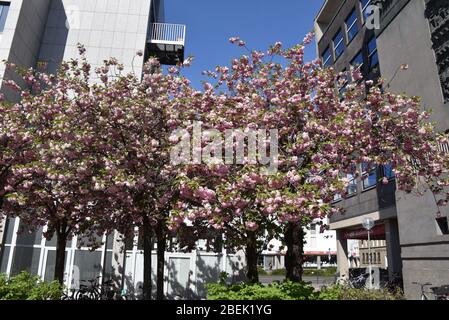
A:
{"x": 319, "y": 253}
{"x": 376, "y": 233}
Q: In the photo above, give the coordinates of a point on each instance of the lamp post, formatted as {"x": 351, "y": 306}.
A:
{"x": 368, "y": 224}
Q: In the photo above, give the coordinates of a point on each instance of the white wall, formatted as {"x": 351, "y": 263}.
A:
{"x": 107, "y": 28}
{"x": 186, "y": 274}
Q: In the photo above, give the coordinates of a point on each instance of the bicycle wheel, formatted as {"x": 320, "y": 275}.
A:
{"x": 81, "y": 295}
{"x": 66, "y": 297}
{"x": 93, "y": 295}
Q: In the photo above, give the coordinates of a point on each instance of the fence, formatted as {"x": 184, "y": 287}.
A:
{"x": 185, "y": 274}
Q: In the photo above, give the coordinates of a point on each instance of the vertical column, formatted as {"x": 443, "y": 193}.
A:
{"x": 318, "y": 262}
{"x": 393, "y": 247}
{"x": 342, "y": 255}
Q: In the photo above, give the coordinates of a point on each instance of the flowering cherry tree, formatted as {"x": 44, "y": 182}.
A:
{"x": 135, "y": 119}
{"x": 57, "y": 182}
{"x": 328, "y": 125}
{"x": 14, "y": 148}
{"x": 78, "y": 156}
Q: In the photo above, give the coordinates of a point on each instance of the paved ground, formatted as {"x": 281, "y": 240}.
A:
{"x": 317, "y": 283}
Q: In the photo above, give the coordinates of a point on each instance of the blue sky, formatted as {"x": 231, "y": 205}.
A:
{"x": 210, "y": 24}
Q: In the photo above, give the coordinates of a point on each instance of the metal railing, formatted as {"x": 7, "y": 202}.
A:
{"x": 168, "y": 33}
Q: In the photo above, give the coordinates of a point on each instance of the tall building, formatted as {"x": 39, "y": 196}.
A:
{"x": 416, "y": 33}
{"x": 406, "y": 43}
{"x": 41, "y": 34}
{"x": 345, "y": 40}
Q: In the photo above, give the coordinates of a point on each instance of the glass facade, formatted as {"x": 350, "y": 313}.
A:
{"x": 372, "y": 54}
{"x": 365, "y": 4}
{"x": 352, "y": 187}
{"x": 4, "y": 259}
{"x": 339, "y": 44}
{"x": 87, "y": 266}
{"x": 327, "y": 57}
{"x": 357, "y": 62}
{"x": 369, "y": 176}
{"x": 4, "y": 9}
{"x": 25, "y": 259}
{"x": 29, "y": 251}
{"x": 388, "y": 171}
{"x": 352, "y": 27}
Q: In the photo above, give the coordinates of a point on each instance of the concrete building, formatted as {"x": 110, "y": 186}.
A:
{"x": 41, "y": 34}
{"x": 384, "y": 36}
{"x": 416, "y": 33}
{"x": 345, "y": 40}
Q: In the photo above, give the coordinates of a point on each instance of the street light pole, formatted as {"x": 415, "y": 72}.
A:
{"x": 369, "y": 260}
{"x": 368, "y": 224}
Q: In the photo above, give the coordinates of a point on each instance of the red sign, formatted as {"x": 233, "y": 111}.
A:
{"x": 376, "y": 233}
{"x": 319, "y": 253}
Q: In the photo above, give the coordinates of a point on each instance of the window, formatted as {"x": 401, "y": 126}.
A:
{"x": 352, "y": 27}
{"x": 352, "y": 186}
{"x": 369, "y": 176}
{"x": 4, "y": 8}
{"x": 365, "y": 4}
{"x": 313, "y": 228}
{"x": 343, "y": 81}
{"x": 25, "y": 259}
{"x": 372, "y": 54}
{"x": 50, "y": 265}
{"x": 339, "y": 44}
{"x": 4, "y": 254}
{"x": 327, "y": 57}
{"x": 358, "y": 60}
{"x": 388, "y": 171}
{"x": 87, "y": 265}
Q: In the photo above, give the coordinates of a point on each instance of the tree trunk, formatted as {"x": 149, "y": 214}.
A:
{"x": 294, "y": 238}
{"x": 251, "y": 258}
{"x": 147, "y": 248}
{"x": 61, "y": 242}
{"x": 161, "y": 244}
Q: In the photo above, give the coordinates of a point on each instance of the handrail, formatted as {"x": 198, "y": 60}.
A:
{"x": 168, "y": 33}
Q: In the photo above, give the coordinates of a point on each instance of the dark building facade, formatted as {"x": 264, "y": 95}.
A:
{"x": 416, "y": 33}
{"x": 412, "y": 33}
{"x": 367, "y": 197}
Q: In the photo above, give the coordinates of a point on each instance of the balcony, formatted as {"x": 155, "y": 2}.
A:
{"x": 166, "y": 42}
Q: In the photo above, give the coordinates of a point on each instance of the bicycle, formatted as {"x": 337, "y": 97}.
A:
{"x": 359, "y": 282}
{"x": 438, "y": 293}
{"x": 441, "y": 293}
{"x": 356, "y": 282}
{"x": 70, "y": 296}
{"x": 96, "y": 291}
